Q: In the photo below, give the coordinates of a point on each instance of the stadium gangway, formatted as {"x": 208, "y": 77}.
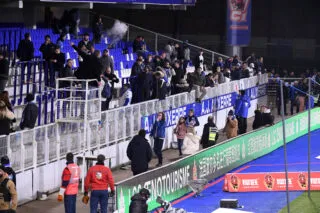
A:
{"x": 29, "y": 149}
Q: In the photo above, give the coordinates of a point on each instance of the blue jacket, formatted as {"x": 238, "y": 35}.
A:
{"x": 242, "y": 106}
{"x": 158, "y": 129}
{"x": 293, "y": 93}
{"x": 192, "y": 121}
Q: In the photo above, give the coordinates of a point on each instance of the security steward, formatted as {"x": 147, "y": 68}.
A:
{"x": 210, "y": 134}
{"x": 70, "y": 184}
{"x": 8, "y": 193}
{"x": 98, "y": 179}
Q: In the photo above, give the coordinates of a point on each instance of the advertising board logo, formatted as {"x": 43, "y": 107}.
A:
{"x": 238, "y": 10}
{"x": 269, "y": 181}
{"x": 302, "y": 181}
{"x": 234, "y": 182}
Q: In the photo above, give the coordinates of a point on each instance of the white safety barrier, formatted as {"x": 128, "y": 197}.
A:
{"x": 37, "y": 155}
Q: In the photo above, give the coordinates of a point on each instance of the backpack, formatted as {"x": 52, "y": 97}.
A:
{"x": 5, "y": 191}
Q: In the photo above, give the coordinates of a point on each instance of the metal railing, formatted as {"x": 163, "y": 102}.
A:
{"x": 30, "y": 148}
{"x": 156, "y": 41}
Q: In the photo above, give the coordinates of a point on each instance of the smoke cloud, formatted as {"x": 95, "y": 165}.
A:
{"x": 117, "y": 32}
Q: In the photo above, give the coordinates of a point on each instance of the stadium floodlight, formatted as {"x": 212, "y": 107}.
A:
{"x": 20, "y": 4}
{"x": 197, "y": 186}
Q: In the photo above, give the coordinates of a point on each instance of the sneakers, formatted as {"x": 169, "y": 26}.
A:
{"x": 159, "y": 165}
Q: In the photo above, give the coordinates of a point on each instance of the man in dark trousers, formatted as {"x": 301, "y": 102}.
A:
{"x": 25, "y": 50}
{"x": 210, "y": 134}
{"x": 241, "y": 111}
{"x": 47, "y": 48}
{"x": 4, "y": 72}
{"x": 139, "y": 202}
{"x": 144, "y": 81}
{"x": 11, "y": 173}
{"x": 29, "y": 114}
{"x": 58, "y": 60}
{"x": 139, "y": 152}
{"x": 110, "y": 78}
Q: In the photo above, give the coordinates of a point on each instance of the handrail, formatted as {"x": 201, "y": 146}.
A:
{"x": 159, "y": 34}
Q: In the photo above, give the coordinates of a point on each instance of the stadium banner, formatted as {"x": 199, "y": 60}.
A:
{"x": 206, "y": 107}
{"x": 158, "y": 2}
{"x": 238, "y": 22}
{"x": 274, "y": 181}
{"x": 171, "y": 181}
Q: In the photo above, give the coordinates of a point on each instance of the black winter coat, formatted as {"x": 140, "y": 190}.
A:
{"x": 205, "y": 135}
{"x": 140, "y": 154}
{"x": 61, "y": 59}
{"x": 4, "y": 69}
{"x": 258, "y": 122}
{"x": 138, "y": 204}
{"x": 25, "y": 50}
{"x": 47, "y": 50}
{"x": 29, "y": 116}
{"x": 90, "y": 68}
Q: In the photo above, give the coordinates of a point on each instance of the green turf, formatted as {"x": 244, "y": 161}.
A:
{"x": 303, "y": 204}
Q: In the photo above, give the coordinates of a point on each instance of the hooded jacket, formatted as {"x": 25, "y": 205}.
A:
{"x": 138, "y": 204}
{"x": 231, "y": 128}
{"x": 258, "y": 121}
{"x": 242, "y": 106}
{"x": 140, "y": 154}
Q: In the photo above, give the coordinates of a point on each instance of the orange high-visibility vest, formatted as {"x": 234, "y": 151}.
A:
{"x": 73, "y": 185}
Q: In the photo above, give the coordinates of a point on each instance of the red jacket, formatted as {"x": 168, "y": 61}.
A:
{"x": 99, "y": 177}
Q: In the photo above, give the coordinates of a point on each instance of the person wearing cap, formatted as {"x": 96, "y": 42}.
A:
{"x": 98, "y": 180}
{"x": 139, "y": 202}
{"x": 29, "y": 114}
{"x": 210, "y": 134}
{"x": 11, "y": 173}
{"x": 25, "y": 50}
{"x": 70, "y": 184}
{"x": 8, "y": 193}
{"x": 231, "y": 127}
{"x": 85, "y": 42}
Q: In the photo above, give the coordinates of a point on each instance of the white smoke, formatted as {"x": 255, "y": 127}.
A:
{"x": 117, "y": 32}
